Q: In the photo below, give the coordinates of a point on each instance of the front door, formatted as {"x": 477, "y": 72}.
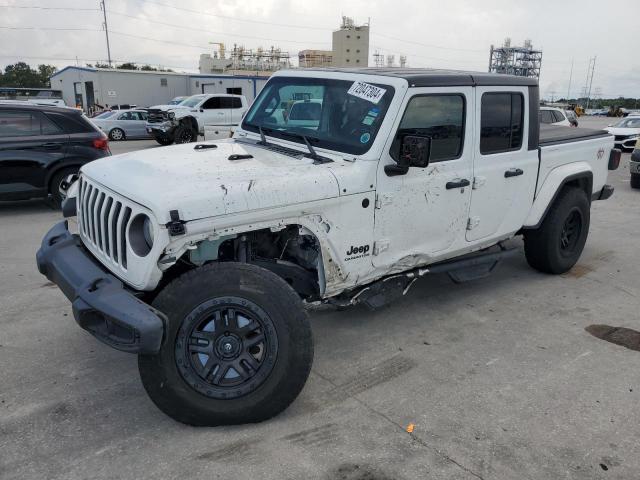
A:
{"x": 504, "y": 168}
{"x": 423, "y": 214}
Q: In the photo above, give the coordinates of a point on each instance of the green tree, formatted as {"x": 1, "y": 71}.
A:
{"x": 127, "y": 66}
{"x": 22, "y": 75}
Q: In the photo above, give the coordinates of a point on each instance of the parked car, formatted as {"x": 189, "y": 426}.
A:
{"x": 207, "y": 251}
{"x": 123, "y": 124}
{"x": 626, "y": 132}
{"x": 184, "y": 122}
{"x": 176, "y": 100}
{"x": 41, "y": 145}
{"x": 634, "y": 166}
{"x": 555, "y": 116}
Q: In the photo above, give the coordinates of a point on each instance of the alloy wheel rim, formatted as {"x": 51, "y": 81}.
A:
{"x": 571, "y": 231}
{"x": 226, "y": 347}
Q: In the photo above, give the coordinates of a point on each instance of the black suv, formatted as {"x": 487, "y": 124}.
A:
{"x": 40, "y": 146}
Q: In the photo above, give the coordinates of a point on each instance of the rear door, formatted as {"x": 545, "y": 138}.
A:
{"x": 236, "y": 109}
{"x": 29, "y": 144}
{"x": 504, "y": 169}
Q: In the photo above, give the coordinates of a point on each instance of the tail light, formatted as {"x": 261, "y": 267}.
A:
{"x": 101, "y": 143}
{"x": 614, "y": 159}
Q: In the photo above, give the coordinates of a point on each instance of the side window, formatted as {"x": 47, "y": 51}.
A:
{"x": 212, "y": 103}
{"x": 546, "y": 117}
{"x": 440, "y": 117}
{"x": 501, "y": 122}
{"x": 558, "y": 116}
{"x": 126, "y": 116}
{"x": 139, "y": 115}
{"x": 71, "y": 122}
{"x": 236, "y": 102}
{"x": 26, "y": 124}
{"x": 48, "y": 127}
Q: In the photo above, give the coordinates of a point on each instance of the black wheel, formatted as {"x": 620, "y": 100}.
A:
{"x": 117, "y": 134}
{"x": 556, "y": 246}
{"x": 635, "y": 180}
{"x": 164, "y": 140}
{"x": 185, "y": 134}
{"x": 54, "y": 184}
{"x": 238, "y": 346}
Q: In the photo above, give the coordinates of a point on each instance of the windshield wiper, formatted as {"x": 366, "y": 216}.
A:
{"x": 263, "y": 140}
{"x": 312, "y": 152}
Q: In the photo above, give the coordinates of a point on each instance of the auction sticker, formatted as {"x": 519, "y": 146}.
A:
{"x": 367, "y": 91}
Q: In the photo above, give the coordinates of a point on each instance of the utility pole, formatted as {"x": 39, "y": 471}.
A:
{"x": 570, "y": 78}
{"x": 592, "y": 67}
{"x": 106, "y": 29}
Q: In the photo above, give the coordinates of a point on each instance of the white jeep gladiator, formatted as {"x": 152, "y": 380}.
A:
{"x": 200, "y": 258}
{"x": 182, "y": 123}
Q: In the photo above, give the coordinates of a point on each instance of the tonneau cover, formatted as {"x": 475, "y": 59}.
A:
{"x": 555, "y": 134}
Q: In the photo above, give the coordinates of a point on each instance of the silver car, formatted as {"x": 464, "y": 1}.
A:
{"x": 123, "y": 124}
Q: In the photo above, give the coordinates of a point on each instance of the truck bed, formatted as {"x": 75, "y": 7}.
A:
{"x": 554, "y": 134}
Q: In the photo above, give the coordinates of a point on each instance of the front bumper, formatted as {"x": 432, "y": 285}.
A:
{"x": 101, "y": 304}
{"x": 163, "y": 127}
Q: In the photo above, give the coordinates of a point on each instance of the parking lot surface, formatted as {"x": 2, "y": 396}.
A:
{"x": 498, "y": 376}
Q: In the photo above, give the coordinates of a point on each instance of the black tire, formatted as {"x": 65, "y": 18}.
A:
{"x": 176, "y": 378}
{"x": 164, "y": 140}
{"x": 117, "y": 134}
{"x": 635, "y": 180}
{"x": 557, "y": 244}
{"x": 54, "y": 184}
{"x": 185, "y": 134}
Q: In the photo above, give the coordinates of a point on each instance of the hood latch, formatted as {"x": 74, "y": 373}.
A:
{"x": 176, "y": 226}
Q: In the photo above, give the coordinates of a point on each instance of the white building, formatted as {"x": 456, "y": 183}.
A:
{"x": 86, "y": 87}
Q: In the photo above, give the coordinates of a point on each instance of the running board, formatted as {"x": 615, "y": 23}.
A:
{"x": 388, "y": 289}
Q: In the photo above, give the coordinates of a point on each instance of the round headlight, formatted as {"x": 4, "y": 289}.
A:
{"x": 147, "y": 230}
{"x": 141, "y": 234}
{"x": 171, "y": 115}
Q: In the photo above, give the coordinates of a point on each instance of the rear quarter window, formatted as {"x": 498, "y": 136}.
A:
{"x": 71, "y": 122}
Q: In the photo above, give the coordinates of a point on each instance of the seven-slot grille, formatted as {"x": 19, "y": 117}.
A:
{"x": 102, "y": 221}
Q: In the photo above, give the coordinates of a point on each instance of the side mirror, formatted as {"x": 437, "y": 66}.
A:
{"x": 414, "y": 152}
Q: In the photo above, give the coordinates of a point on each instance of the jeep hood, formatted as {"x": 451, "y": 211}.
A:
{"x": 623, "y": 131}
{"x": 168, "y": 108}
{"x": 205, "y": 183}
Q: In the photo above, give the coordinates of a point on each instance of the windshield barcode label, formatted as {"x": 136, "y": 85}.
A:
{"x": 367, "y": 92}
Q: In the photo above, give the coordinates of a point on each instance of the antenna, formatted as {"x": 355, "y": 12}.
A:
{"x": 106, "y": 29}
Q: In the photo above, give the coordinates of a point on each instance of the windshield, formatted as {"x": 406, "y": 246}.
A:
{"x": 337, "y": 115}
{"x": 628, "y": 123}
{"x": 192, "y": 101}
{"x": 176, "y": 101}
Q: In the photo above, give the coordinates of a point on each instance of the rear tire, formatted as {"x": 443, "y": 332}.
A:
{"x": 557, "y": 244}
{"x": 54, "y": 185}
{"x": 635, "y": 180}
{"x": 211, "y": 370}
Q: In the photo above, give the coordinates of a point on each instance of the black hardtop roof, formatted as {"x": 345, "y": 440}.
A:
{"x": 427, "y": 77}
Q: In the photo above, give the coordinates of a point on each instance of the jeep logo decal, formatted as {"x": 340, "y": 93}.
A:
{"x": 357, "y": 252}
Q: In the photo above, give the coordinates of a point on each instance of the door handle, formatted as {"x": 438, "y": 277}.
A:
{"x": 458, "y": 183}
{"x": 513, "y": 172}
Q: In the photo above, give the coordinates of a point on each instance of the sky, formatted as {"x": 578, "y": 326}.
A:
{"x": 455, "y": 34}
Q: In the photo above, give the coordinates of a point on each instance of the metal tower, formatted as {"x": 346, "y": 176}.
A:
{"x": 522, "y": 61}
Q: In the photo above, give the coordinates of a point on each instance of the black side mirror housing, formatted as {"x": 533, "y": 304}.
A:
{"x": 414, "y": 152}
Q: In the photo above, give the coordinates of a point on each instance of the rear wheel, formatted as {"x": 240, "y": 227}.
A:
{"x": 635, "y": 180}
{"x": 557, "y": 244}
{"x": 185, "y": 134}
{"x": 117, "y": 134}
{"x": 238, "y": 346}
{"x": 56, "y": 181}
